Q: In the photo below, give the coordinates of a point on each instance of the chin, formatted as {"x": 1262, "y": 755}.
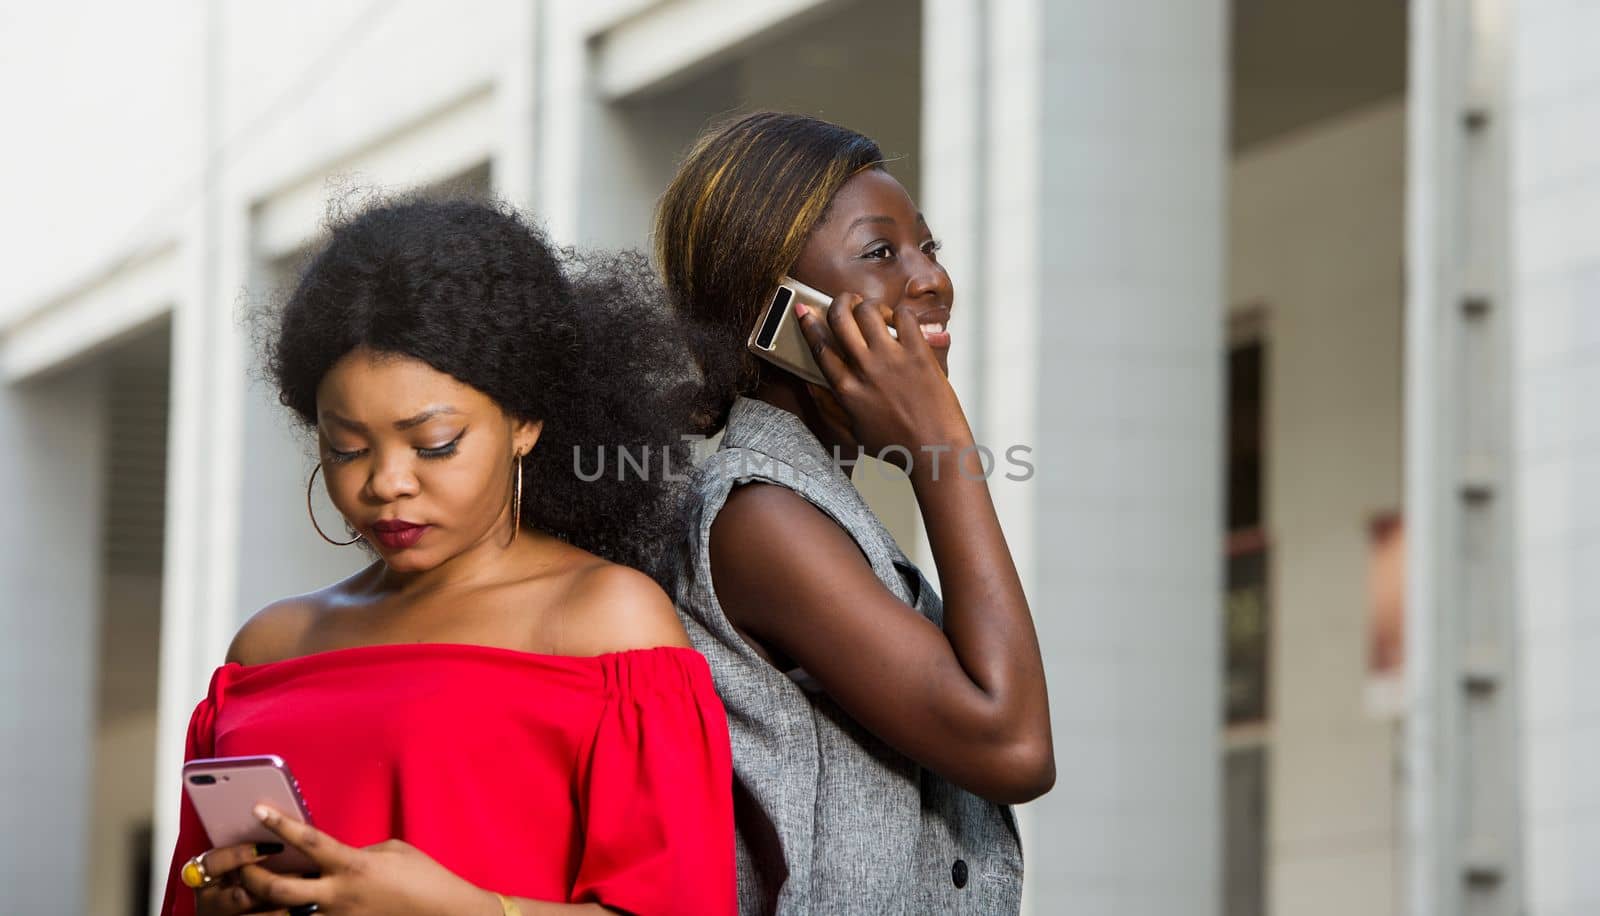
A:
{"x": 409, "y": 561}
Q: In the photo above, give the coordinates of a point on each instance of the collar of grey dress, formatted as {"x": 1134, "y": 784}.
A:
{"x": 761, "y": 427}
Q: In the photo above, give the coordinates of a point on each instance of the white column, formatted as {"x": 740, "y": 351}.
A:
{"x": 952, "y": 177}
{"x": 565, "y": 96}
{"x": 185, "y": 556}
{"x": 1460, "y": 771}
{"x": 51, "y": 482}
{"x": 1555, "y": 389}
{"x": 197, "y": 557}
{"x": 517, "y": 104}
{"x": 1077, "y": 151}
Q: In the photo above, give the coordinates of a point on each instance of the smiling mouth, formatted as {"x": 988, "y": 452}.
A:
{"x": 936, "y": 329}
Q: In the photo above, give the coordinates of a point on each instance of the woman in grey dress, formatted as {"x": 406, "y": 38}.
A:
{"x": 879, "y": 734}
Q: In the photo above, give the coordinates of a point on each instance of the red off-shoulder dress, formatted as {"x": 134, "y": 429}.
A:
{"x": 605, "y": 779}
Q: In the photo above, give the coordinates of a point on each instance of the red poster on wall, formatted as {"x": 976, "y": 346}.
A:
{"x": 1386, "y": 616}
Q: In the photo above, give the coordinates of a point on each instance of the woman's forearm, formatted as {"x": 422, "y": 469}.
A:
{"x": 986, "y": 614}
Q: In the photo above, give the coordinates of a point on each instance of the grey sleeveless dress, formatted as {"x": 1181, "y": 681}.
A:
{"x": 830, "y": 819}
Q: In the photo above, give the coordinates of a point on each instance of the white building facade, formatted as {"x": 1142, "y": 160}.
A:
{"x": 1246, "y": 277}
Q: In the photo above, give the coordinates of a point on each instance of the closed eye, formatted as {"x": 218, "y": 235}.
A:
{"x": 442, "y": 451}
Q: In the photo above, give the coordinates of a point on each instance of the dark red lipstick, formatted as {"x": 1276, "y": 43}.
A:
{"x": 396, "y": 534}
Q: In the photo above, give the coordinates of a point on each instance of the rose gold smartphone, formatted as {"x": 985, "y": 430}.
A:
{"x": 777, "y": 337}
{"x": 224, "y": 792}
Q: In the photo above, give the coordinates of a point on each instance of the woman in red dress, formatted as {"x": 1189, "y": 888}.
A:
{"x": 501, "y": 714}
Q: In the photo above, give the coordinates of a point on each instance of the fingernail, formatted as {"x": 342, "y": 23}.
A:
{"x": 262, "y": 813}
{"x": 268, "y": 849}
{"x": 800, "y": 308}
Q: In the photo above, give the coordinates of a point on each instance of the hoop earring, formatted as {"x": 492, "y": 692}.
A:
{"x": 309, "y": 511}
{"x": 516, "y": 504}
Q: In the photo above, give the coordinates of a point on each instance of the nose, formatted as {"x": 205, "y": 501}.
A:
{"x": 928, "y": 279}
{"x": 392, "y": 478}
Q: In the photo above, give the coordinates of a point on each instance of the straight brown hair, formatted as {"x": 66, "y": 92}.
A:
{"x": 733, "y": 221}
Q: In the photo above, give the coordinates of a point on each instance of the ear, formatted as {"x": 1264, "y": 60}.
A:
{"x": 525, "y": 434}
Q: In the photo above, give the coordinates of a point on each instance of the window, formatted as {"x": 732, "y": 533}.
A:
{"x": 1246, "y": 623}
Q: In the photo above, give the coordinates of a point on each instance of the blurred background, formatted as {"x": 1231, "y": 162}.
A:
{"x": 1296, "y": 303}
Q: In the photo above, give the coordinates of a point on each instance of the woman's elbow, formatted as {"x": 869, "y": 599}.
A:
{"x": 1021, "y": 773}
{"x": 1036, "y": 773}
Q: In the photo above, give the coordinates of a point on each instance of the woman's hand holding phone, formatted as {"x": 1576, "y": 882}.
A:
{"x": 392, "y": 878}
{"x": 227, "y": 897}
{"x": 892, "y": 390}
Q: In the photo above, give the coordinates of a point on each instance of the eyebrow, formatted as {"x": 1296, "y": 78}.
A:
{"x": 879, "y": 218}
{"x": 407, "y": 423}
{"x": 869, "y": 219}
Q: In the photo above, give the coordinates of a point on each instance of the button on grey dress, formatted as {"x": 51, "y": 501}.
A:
{"x": 830, "y": 819}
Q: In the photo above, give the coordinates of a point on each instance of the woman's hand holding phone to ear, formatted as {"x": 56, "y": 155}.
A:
{"x": 967, "y": 699}
{"x": 892, "y": 390}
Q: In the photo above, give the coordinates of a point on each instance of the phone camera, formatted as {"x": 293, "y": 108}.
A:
{"x": 768, "y": 335}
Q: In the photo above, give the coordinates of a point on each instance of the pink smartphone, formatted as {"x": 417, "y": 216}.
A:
{"x": 225, "y": 791}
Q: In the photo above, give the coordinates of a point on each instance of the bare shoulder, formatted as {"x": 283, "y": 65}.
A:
{"x": 758, "y": 513}
{"x": 758, "y": 522}
{"x": 752, "y": 505}
{"x": 274, "y": 632}
{"x": 612, "y": 608}
{"x": 279, "y": 630}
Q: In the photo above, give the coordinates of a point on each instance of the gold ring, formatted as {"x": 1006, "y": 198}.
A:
{"x": 194, "y": 873}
